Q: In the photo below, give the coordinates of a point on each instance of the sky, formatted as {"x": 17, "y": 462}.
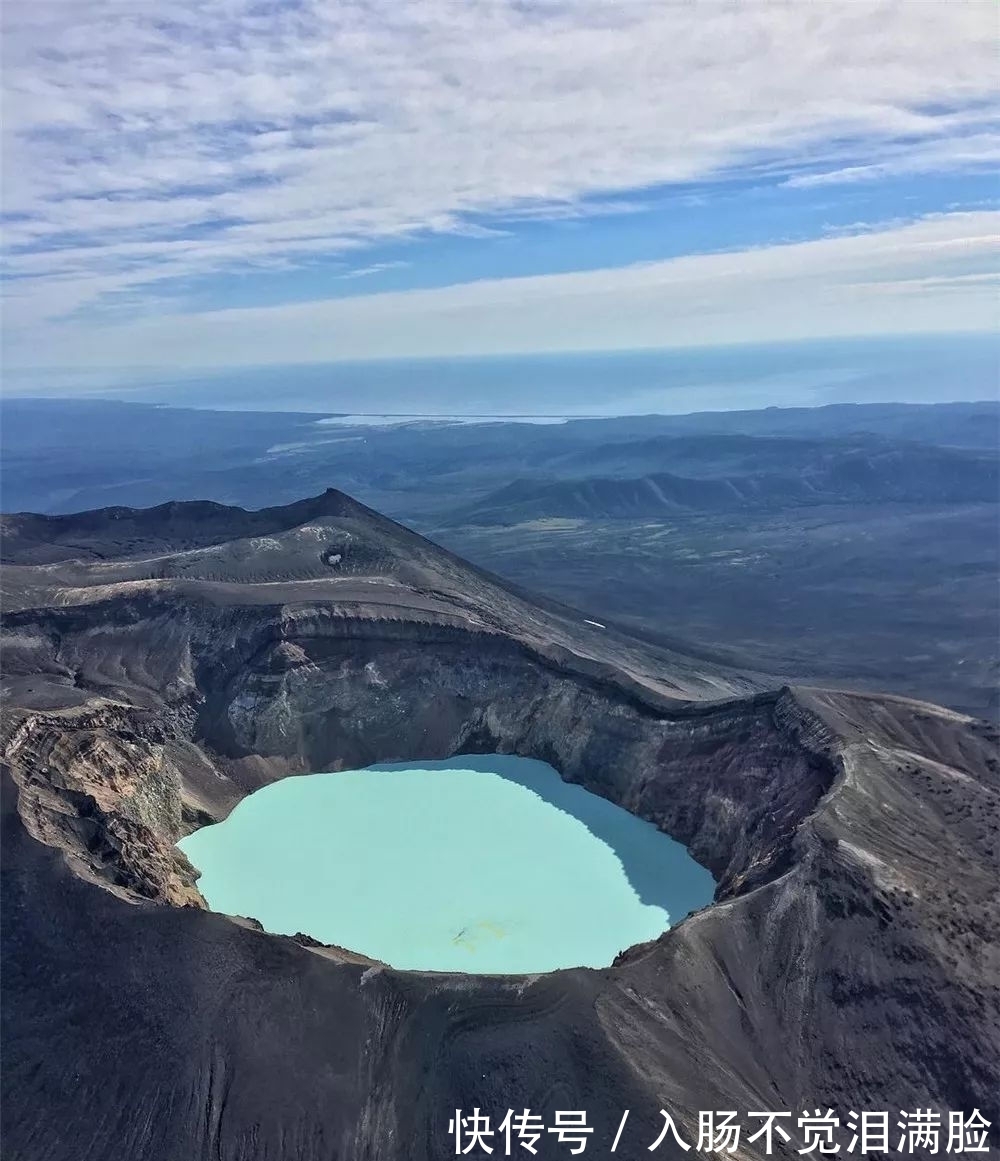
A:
{"x": 213, "y": 185}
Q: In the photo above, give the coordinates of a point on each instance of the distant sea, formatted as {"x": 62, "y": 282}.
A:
{"x": 912, "y": 369}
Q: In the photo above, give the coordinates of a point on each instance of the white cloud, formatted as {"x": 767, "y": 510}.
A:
{"x": 147, "y": 144}
{"x": 968, "y": 151}
{"x": 374, "y": 268}
{"x": 935, "y": 275}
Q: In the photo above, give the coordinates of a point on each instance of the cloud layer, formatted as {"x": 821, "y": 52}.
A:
{"x": 933, "y": 276}
{"x": 147, "y": 145}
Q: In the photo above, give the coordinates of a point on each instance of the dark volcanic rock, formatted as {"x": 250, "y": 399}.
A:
{"x": 160, "y": 665}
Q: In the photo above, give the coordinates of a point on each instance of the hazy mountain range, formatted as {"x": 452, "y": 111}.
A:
{"x": 848, "y": 543}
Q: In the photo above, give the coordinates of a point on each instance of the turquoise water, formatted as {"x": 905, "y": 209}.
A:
{"x": 475, "y": 864}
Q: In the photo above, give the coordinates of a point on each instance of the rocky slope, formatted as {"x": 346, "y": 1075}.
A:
{"x": 160, "y": 664}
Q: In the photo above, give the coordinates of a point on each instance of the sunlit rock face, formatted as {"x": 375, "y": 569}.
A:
{"x": 477, "y": 864}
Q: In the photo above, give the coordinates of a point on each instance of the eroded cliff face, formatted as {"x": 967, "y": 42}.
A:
{"x": 729, "y": 780}
{"x": 258, "y": 696}
{"x": 850, "y": 960}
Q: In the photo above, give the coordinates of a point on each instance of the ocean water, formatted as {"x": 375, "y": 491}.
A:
{"x": 915, "y": 369}
{"x": 476, "y": 864}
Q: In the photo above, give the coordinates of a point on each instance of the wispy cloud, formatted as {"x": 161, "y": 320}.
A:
{"x": 963, "y": 151}
{"x": 934, "y": 275}
{"x": 375, "y": 268}
{"x": 148, "y": 145}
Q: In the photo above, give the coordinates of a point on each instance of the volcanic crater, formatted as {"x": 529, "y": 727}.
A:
{"x": 162, "y": 664}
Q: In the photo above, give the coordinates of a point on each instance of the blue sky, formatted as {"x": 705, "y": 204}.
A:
{"x": 227, "y": 184}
